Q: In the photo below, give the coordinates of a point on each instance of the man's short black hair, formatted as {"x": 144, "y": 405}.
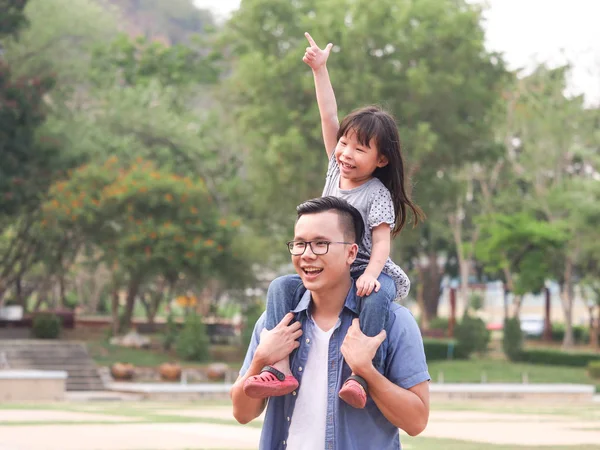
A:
{"x": 350, "y": 219}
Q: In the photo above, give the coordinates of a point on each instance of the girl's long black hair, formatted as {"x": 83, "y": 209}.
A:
{"x": 372, "y": 123}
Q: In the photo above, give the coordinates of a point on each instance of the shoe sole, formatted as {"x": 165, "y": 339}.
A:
{"x": 260, "y": 390}
{"x": 353, "y": 398}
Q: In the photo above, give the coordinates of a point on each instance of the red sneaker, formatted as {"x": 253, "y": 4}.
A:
{"x": 354, "y": 393}
{"x": 270, "y": 383}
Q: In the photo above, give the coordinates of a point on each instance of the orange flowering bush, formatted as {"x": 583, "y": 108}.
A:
{"x": 146, "y": 219}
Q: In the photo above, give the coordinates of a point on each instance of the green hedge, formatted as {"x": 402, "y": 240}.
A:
{"x": 594, "y": 369}
{"x": 558, "y": 358}
{"x": 436, "y": 350}
{"x": 46, "y": 326}
{"x": 581, "y": 334}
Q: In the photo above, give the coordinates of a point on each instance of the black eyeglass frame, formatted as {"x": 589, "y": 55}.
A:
{"x": 290, "y": 246}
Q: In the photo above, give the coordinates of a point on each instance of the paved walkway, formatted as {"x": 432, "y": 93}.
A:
{"x": 109, "y": 425}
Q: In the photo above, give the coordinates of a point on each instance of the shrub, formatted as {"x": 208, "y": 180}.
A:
{"x": 439, "y": 323}
{"x": 192, "y": 342}
{"x": 580, "y": 333}
{"x": 472, "y": 335}
{"x": 512, "y": 342}
{"x": 436, "y": 349}
{"x": 170, "y": 335}
{"x": 594, "y": 369}
{"x": 476, "y": 302}
{"x": 46, "y": 326}
{"x": 252, "y": 314}
{"x": 558, "y": 358}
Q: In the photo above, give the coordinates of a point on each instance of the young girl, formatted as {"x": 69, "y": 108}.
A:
{"x": 366, "y": 169}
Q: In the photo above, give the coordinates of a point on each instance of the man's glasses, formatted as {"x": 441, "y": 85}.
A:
{"x": 298, "y": 248}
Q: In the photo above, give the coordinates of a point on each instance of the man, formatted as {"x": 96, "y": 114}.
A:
{"x": 313, "y": 417}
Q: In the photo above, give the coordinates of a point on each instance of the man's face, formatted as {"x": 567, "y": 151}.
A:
{"x": 322, "y": 272}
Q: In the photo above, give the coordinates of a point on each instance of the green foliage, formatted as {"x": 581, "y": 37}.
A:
{"x": 512, "y": 341}
{"x": 404, "y": 55}
{"x": 252, "y": 314}
{"x": 126, "y": 62}
{"x": 171, "y": 331}
{"x": 472, "y": 335}
{"x": 144, "y": 219}
{"x": 46, "y": 326}
{"x": 581, "y": 334}
{"x": 439, "y": 323}
{"x": 71, "y": 300}
{"x": 12, "y": 18}
{"x": 436, "y": 349}
{"x": 558, "y": 358}
{"x": 476, "y": 302}
{"x": 522, "y": 243}
{"x": 593, "y": 368}
{"x": 192, "y": 342}
{"x": 28, "y": 159}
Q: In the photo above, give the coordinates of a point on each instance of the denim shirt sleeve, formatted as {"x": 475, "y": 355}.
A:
{"x": 258, "y": 327}
{"x": 406, "y": 365}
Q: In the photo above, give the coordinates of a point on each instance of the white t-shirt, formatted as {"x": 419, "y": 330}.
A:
{"x": 307, "y": 429}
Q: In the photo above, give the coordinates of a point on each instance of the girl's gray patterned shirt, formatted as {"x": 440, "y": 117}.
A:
{"x": 374, "y": 202}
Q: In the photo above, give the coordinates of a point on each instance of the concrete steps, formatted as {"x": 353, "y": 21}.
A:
{"x": 69, "y": 356}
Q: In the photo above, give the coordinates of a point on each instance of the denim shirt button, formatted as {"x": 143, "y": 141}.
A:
{"x": 307, "y": 340}
{"x": 294, "y": 393}
{"x": 300, "y": 369}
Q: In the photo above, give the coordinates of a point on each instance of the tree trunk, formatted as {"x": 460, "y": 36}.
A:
{"x": 429, "y": 282}
{"x": 594, "y": 328}
{"x": 153, "y": 300}
{"x": 508, "y": 287}
{"x": 517, "y": 303}
{"x": 464, "y": 261}
{"x": 132, "y": 292}
{"x": 115, "y": 311}
{"x": 547, "y": 314}
{"x": 19, "y": 291}
{"x": 61, "y": 291}
{"x": 421, "y": 302}
{"x": 596, "y": 343}
{"x": 567, "y": 303}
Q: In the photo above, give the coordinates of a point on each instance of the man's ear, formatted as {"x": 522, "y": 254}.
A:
{"x": 353, "y": 253}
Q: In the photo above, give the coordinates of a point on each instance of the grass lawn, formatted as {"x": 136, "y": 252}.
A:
{"x": 502, "y": 371}
{"x": 105, "y": 354}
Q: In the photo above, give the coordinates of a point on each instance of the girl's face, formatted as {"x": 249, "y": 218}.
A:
{"x": 357, "y": 162}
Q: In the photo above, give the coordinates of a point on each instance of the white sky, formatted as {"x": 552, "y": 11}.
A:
{"x": 530, "y": 31}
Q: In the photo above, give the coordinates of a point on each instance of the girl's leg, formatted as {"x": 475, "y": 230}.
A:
{"x": 283, "y": 296}
{"x": 374, "y": 313}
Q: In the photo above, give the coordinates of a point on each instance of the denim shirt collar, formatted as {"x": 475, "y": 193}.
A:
{"x": 351, "y": 300}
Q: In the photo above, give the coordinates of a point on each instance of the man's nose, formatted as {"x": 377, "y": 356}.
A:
{"x": 308, "y": 253}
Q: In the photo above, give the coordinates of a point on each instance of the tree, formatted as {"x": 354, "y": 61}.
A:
{"x": 521, "y": 246}
{"x": 425, "y": 61}
{"x": 13, "y": 17}
{"x": 145, "y": 221}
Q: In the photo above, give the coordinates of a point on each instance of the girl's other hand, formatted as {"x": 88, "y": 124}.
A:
{"x": 314, "y": 56}
{"x": 366, "y": 284}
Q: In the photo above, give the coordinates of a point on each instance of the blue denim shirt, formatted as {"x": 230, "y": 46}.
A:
{"x": 347, "y": 428}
